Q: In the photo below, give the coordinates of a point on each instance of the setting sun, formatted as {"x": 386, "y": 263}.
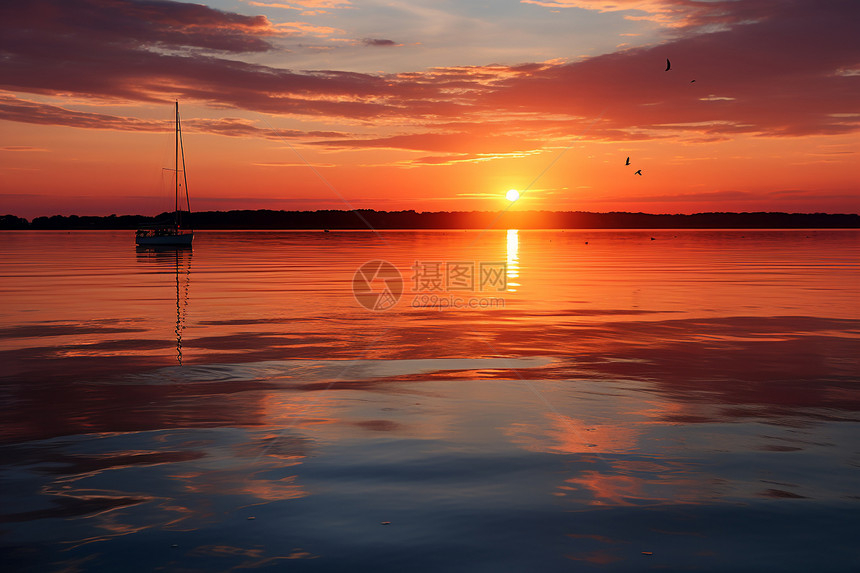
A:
{"x": 512, "y": 195}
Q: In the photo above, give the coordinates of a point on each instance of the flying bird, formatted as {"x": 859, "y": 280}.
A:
{"x": 691, "y": 81}
{"x": 638, "y": 172}
{"x": 628, "y": 161}
{"x": 668, "y": 64}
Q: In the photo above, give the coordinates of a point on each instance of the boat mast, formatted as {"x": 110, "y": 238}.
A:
{"x": 176, "y": 171}
{"x": 184, "y": 173}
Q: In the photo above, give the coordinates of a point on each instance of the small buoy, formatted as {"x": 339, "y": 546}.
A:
{"x": 386, "y": 523}
{"x": 175, "y": 545}
{"x": 586, "y": 242}
{"x": 653, "y": 239}
{"x": 250, "y": 518}
{"x": 647, "y": 553}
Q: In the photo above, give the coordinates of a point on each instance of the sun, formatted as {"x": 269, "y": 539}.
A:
{"x": 512, "y": 195}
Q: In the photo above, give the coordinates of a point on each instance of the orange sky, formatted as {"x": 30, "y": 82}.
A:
{"x": 332, "y": 104}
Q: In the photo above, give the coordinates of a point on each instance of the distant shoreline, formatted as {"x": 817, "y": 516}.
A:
{"x": 463, "y": 220}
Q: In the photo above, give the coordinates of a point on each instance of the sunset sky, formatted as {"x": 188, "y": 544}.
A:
{"x": 431, "y": 105}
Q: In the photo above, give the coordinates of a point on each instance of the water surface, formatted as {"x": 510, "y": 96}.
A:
{"x": 629, "y": 400}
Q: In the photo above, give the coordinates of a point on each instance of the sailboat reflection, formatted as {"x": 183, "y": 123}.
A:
{"x": 178, "y": 261}
{"x": 513, "y": 267}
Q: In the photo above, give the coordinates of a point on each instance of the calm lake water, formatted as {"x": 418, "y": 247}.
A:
{"x": 526, "y": 401}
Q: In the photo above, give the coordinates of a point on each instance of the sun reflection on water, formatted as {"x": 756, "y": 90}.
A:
{"x": 513, "y": 268}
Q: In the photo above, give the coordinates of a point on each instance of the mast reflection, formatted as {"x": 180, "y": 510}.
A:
{"x": 178, "y": 260}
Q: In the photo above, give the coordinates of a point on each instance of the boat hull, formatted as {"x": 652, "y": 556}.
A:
{"x": 180, "y": 240}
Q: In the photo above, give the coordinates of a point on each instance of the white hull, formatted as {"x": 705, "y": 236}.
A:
{"x": 180, "y": 240}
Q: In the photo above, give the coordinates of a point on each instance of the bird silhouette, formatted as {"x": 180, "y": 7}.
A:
{"x": 691, "y": 81}
{"x": 628, "y": 161}
{"x": 668, "y": 64}
{"x": 638, "y": 172}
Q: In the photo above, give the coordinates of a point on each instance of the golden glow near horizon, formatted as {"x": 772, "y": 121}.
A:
{"x": 512, "y": 195}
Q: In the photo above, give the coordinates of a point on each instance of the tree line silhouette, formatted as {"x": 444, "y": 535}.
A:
{"x": 362, "y": 218}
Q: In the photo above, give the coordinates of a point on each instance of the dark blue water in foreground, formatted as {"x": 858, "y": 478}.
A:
{"x": 687, "y": 403}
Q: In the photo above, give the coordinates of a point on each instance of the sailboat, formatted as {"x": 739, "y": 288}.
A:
{"x": 171, "y": 235}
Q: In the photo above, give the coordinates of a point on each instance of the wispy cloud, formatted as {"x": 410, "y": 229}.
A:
{"x": 273, "y": 5}
{"x": 734, "y": 196}
{"x": 27, "y": 148}
{"x": 307, "y": 7}
{"x": 379, "y": 42}
{"x": 24, "y": 111}
{"x": 306, "y": 29}
{"x": 675, "y": 13}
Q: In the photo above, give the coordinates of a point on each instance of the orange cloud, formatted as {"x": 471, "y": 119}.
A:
{"x": 673, "y": 13}
{"x": 308, "y": 7}
{"x": 306, "y": 29}
{"x": 272, "y": 5}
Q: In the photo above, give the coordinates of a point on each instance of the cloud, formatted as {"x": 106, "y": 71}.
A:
{"x": 774, "y": 75}
{"x": 273, "y": 5}
{"x": 291, "y": 164}
{"x": 675, "y": 13}
{"x": 765, "y": 72}
{"x": 15, "y": 109}
{"x": 308, "y": 7}
{"x": 444, "y": 142}
{"x": 305, "y": 29}
{"x": 323, "y": 3}
{"x": 22, "y": 148}
{"x": 455, "y": 158}
{"x": 715, "y": 197}
{"x": 379, "y": 42}
{"x": 130, "y": 23}
{"x": 707, "y": 197}
{"x": 156, "y": 51}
